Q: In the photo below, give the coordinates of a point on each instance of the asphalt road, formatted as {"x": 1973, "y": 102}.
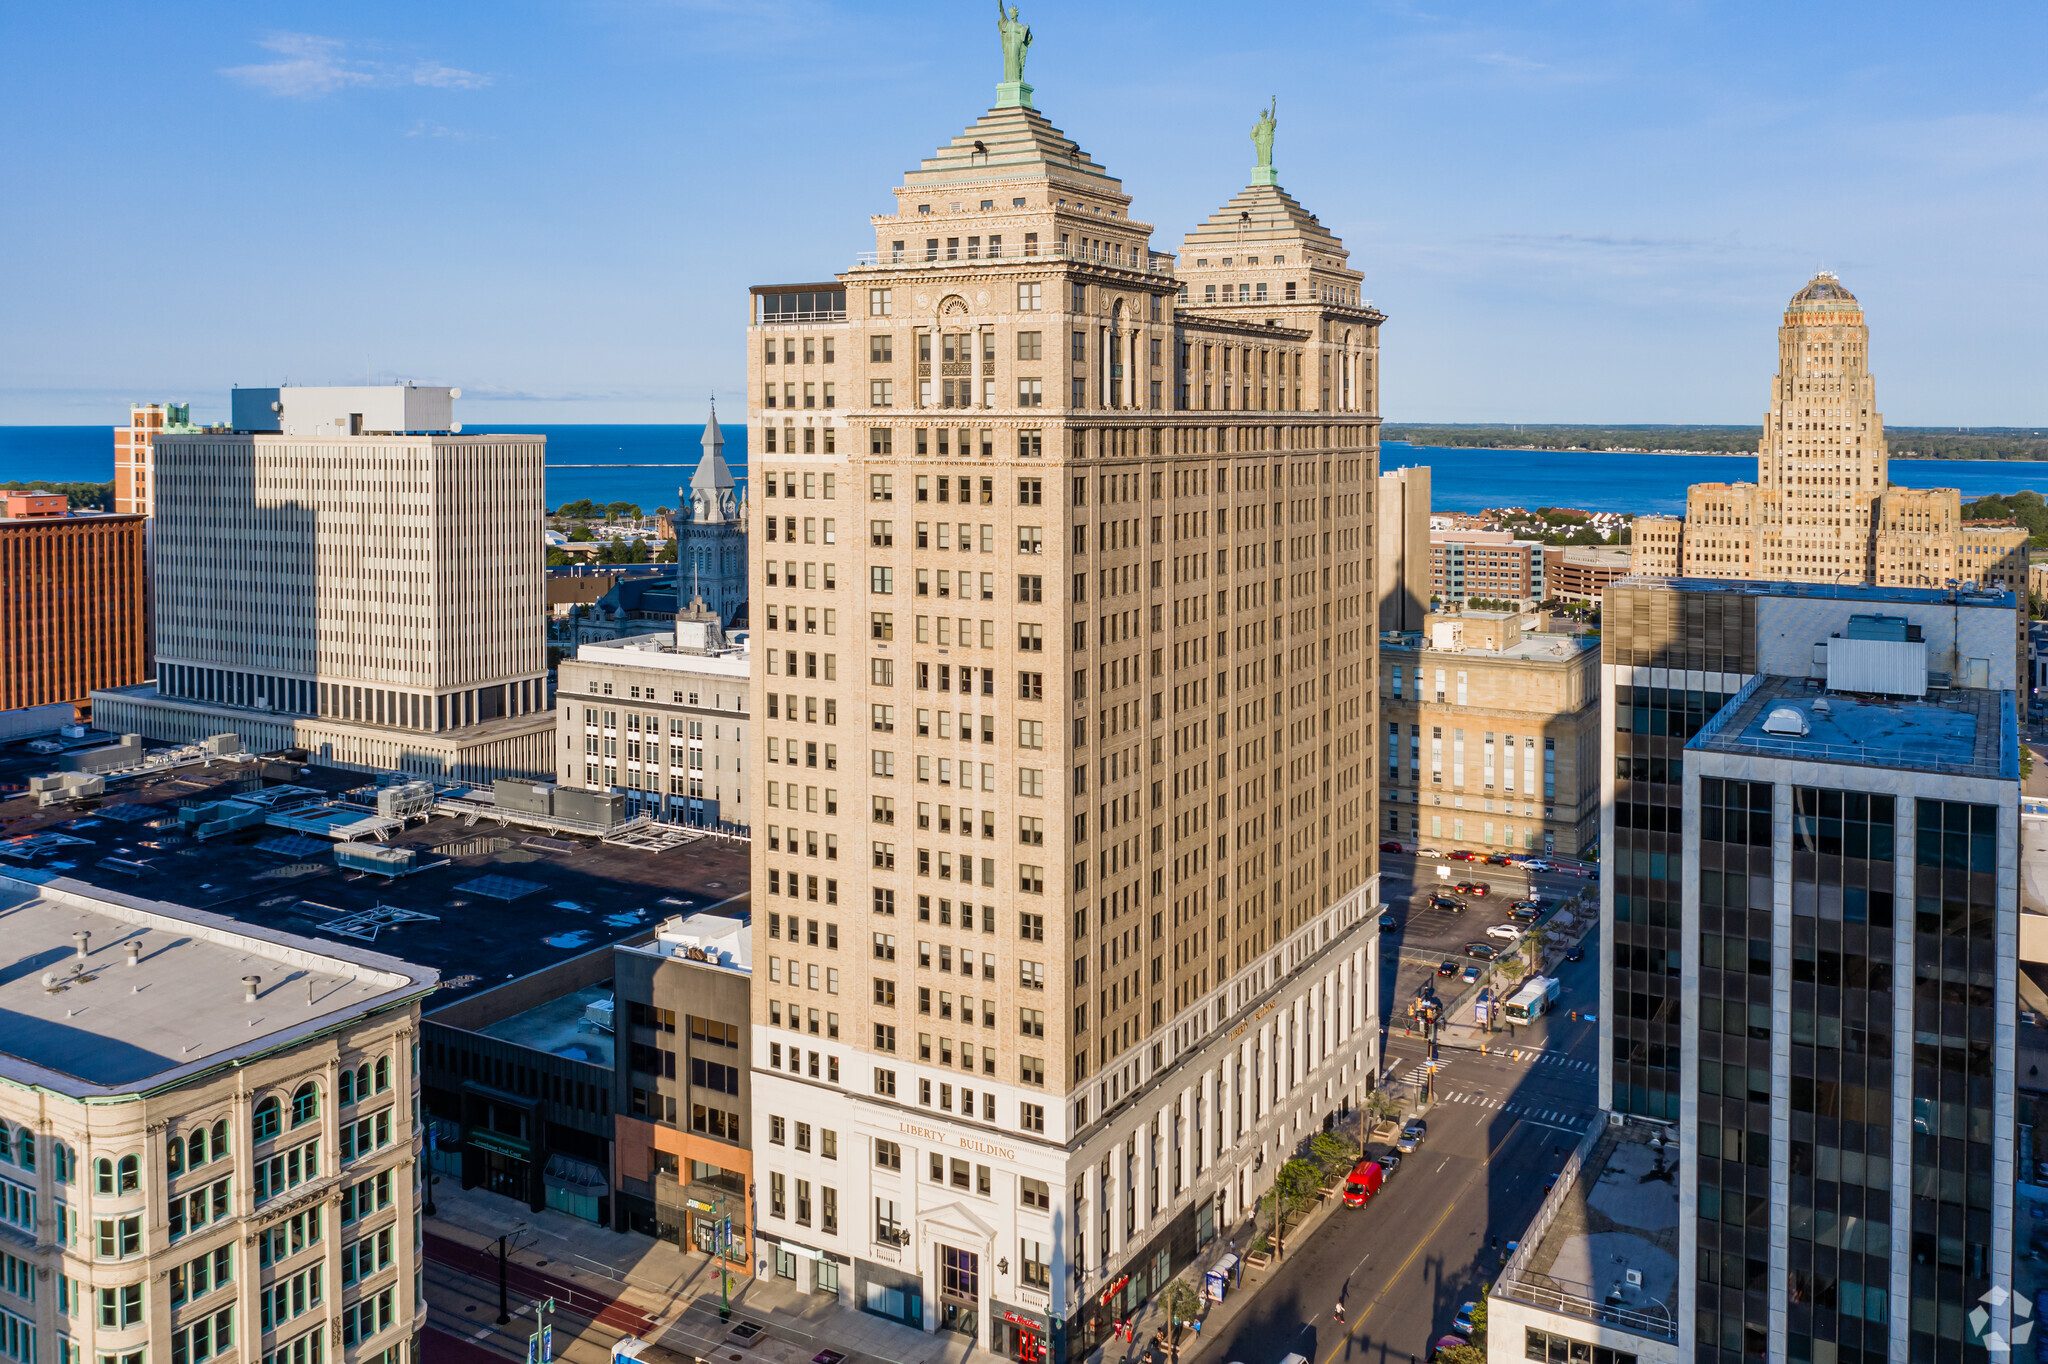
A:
{"x": 1423, "y": 938}
{"x": 1499, "y": 1129}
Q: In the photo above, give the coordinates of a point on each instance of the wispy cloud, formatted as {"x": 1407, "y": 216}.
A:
{"x": 309, "y": 66}
{"x": 1508, "y": 61}
{"x": 426, "y": 127}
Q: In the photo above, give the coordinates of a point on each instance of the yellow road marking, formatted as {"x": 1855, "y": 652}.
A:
{"x": 1345, "y": 1340}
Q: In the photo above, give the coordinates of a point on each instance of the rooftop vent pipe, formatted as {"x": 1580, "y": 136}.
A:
{"x": 84, "y": 941}
{"x": 134, "y": 952}
{"x": 249, "y": 984}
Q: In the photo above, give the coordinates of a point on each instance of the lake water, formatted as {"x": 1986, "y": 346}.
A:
{"x": 1462, "y": 480}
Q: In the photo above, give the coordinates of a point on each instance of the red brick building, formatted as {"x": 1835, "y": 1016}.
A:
{"x": 73, "y": 601}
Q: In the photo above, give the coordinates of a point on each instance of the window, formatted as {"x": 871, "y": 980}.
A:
{"x": 878, "y": 303}
{"x": 287, "y": 1170}
{"x": 305, "y": 1104}
{"x": 1030, "y": 345}
{"x": 1033, "y": 1267}
{"x": 881, "y": 487}
{"x": 366, "y": 1318}
{"x": 1031, "y": 880}
{"x": 201, "y": 1207}
{"x": 274, "y": 1245}
{"x": 1031, "y": 638}
{"x": 120, "y": 1237}
{"x": 1031, "y": 1117}
{"x": 1030, "y": 393}
{"x": 366, "y": 1257}
{"x": 1030, "y": 781}
{"x": 1030, "y": 686}
{"x": 881, "y": 349}
{"x": 121, "y": 1306}
{"x": 1030, "y": 297}
{"x": 1035, "y": 1193}
{"x": 885, "y": 1083}
{"x": 204, "y": 1338}
{"x": 1031, "y": 733}
{"x": 1030, "y": 540}
{"x": 266, "y": 1123}
{"x": 888, "y": 1155}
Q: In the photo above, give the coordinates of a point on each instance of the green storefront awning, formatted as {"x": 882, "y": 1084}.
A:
{"x": 503, "y": 1145}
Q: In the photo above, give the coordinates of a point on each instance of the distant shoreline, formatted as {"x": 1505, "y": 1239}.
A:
{"x": 1717, "y": 454}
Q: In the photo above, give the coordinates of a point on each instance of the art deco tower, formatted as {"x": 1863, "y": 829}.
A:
{"x": 1063, "y": 877}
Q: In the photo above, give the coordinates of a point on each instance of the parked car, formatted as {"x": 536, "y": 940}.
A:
{"x": 1463, "y": 855}
{"x": 1500, "y": 860}
{"x": 1388, "y": 1163}
{"x": 1469, "y": 975}
{"x": 1449, "y": 968}
{"x": 1454, "y": 905}
{"x": 1538, "y": 864}
{"x": 1390, "y": 847}
{"x": 1505, "y": 932}
{"x": 1484, "y": 951}
{"x": 1363, "y": 1182}
{"x": 1462, "y": 1322}
{"x": 1387, "y": 922}
{"x": 1576, "y": 954}
{"x": 1413, "y": 1132}
{"x": 1525, "y": 912}
{"x": 1427, "y": 852}
{"x": 1474, "y": 888}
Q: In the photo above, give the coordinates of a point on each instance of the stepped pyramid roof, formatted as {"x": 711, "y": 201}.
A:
{"x": 1014, "y": 143}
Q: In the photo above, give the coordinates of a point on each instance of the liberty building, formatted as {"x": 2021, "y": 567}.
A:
{"x": 1064, "y": 619}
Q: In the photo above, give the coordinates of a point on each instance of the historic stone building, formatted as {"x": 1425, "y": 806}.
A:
{"x": 1823, "y": 508}
{"x": 711, "y": 534}
{"x": 1066, "y": 618}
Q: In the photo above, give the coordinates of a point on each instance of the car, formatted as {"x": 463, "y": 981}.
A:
{"x": 1499, "y": 860}
{"x": 1390, "y": 847}
{"x": 1427, "y": 852}
{"x": 1538, "y": 864}
{"x": 1455, "y": 906}
{"x": 1462, "y": 1322}
{"x": 1413, "y": 1133}
{"x": 1483, "y": 951}
{"x": 1474, "y": 888}
{"x": 1505, "y": 932}
{"x": 1388, "y": 1164}
{"x": 1449, "y": 968}
{"x": 1462, "y": 855}
{"x": 1469, "y": 974}
{"x": 1525, "y": 913}
{"x": 1387, "y": 923}
{"x": 1363, "y": 1182}
{"x": 1576, "y": 954}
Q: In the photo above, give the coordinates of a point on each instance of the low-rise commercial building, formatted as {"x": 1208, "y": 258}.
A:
{"x": 1492, "y": 736}
{"x": 684, "y": 1098}
{"x": 1489, "y": 564}
{"x": 662, "y": 717}
{"x": 206, "y": 1137}
{"x": 73, "y": 595}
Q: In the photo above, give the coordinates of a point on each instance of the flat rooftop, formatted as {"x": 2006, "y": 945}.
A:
{"x": 492, "y": 904}
{"x": 1746, "y": 587}
{"x": 1963, "y": 731}
{"x": 561, "y": 1027}
{"x": 1616, "y": 1218}
{"x": 1532, "y": 647}
{"x": 159, "y": 992}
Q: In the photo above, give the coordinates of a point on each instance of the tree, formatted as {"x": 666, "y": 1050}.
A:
{"x": 1460, "y": 1354}
{"x": 1299, "y": 1181}
{"x": 581, "y": 535}
{"x": 667, "y": 554}
{"x": 1333, "y": 1153}
{"x": 1181, "y": 1303}
{"x": 556, "y": 558}
{"x": 619, "y": 511}
{"x": 582, "y": 509}
{"x": 1513, "y": 969}
{"x": 1383, "y": 1106}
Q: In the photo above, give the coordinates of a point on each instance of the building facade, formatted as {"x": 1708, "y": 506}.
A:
{"x": 1491, "y": 565}
{"x": 387, "y": 579}
{"x": 1823, "y": 508}
{"x": 1491, "y": 737}
{"x": 1674, "y": 652}
{"x": 1581, "y": 573}
{"x": 1087, "y": 597}
{"x": 134, "y": 452}
{"x": 224, "y": 1164}
{"x": 664, "y": 718}
{"x": 74, "y": 590}
{"x": 711, "y": 534}
{"x": 686, "y": 1140}
{"x": 1406, "y": 562}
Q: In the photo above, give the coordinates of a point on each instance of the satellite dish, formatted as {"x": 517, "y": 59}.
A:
{"x": 276, "y": 406}
{"x": 454, "y": 393}
{"x": 455, "y": 428}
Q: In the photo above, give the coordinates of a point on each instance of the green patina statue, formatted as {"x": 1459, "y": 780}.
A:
{"x": 1016, "y": 43}
{"x": 1262, "y": 134}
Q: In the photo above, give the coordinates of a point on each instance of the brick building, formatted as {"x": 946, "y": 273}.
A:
{"x": 1490, "y": 564}
{"x": 73, "y": 599}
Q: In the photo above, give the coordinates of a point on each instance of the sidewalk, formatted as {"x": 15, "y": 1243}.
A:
{"x": 633, "y": 1284}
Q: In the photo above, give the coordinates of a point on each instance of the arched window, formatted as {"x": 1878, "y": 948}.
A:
{"x": 268, "y": 1118}
{"x": 305, "y": 1103}
{"x": 196, "y": 1149}
{"x": 174, "y": 1154}
{"x": 103, "y": 1175}
{"x": 25, "y": 1149}
{"x": 383, "y": 1073}
{"x": 131, "y": 1173}
{"x": 220, "y": 1138}
{"x": 6, "y": 1144}
{"x": 63, "y": 1162}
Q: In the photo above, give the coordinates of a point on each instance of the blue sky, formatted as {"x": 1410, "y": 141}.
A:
{"x": 1570, "y": 212}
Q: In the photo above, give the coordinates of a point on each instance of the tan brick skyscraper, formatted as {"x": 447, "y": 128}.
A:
{"x": 1064, "y": 609}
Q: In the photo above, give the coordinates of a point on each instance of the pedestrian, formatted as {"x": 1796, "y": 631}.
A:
{"x": 1340, "y": 1314}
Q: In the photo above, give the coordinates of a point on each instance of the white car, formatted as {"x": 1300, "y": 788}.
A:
{"x": 1428, "y": 852}
{"x": 1538, "y": 864}
{"x": 1505, "y": 932}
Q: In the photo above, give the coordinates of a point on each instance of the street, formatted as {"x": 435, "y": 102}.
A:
{"x": 1501, "y": 1123}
